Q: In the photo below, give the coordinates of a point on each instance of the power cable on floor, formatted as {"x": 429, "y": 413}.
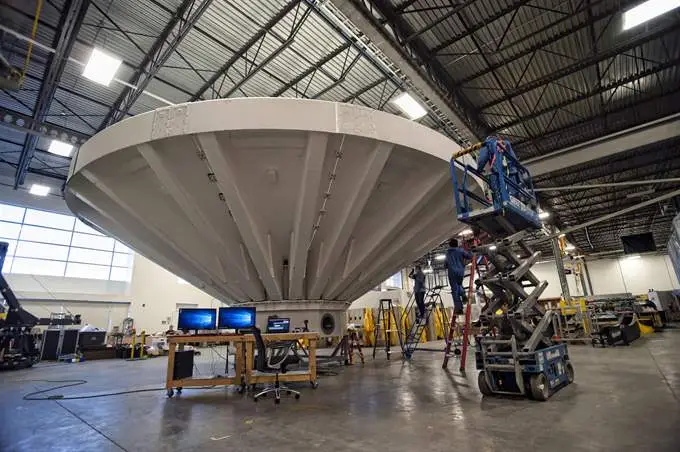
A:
{"x": 70, "y": 383}
{"x": 92, "y": 427}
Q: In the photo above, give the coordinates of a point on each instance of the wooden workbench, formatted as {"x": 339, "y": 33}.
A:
{"x": 238, "y": 379}
{"x": 261, "y": 377}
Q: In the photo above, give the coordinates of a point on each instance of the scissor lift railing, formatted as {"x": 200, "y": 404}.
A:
{"x": 513, "y": 205}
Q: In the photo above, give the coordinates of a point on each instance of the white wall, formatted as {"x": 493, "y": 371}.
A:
{"x": 547, "y": 271}
{"x": 618, "y": 275}
{"x": 155, "y": 293}
{"x": 150, "y": 298}
{"x": 101, "y": 314}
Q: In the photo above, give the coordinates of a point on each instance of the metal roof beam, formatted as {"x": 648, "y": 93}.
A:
{"x": 630, "y": 222}
{"x": 598, "y": 89}
{"x": 312, "y": 69}
{"x": 546, "y": 41}
{"x": 284, "y": 45}
{"x": 479, "y": 25}
{"x": 592, "y": 120}
{"x": 583, "y": 63}
{"x": 618, "y": 213}
{"x": 240, "y": 52}
{"x": 580, "y": 174}
{"x": 365, "y": 89}
{"x": 453, "y": 11}
{"x": 414, "y": 67}
{"x": 572, "y": 215}
{"x": 27, "y": 124}
{"x": 172, "y": 35}
{"x": 642, "y": 135}
{"x": 70, "y": 21}
{"x": 673, "y": 180}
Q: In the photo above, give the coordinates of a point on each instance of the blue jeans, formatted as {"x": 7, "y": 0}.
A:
{"x": 420, "y": 301}
{"x": 457, "y": 291}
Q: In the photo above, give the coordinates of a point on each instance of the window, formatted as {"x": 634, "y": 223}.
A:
{"x": 42, "y": 251}
{"x": 51, "y": 220}
{"x": 122, "y": 260}
{"x": 121, "y": 274}
{"x": 9, "y": 230}
{"x": 82, "y": 227}
{"x": 92, "y": 241}
{"x": 75, "y": 270}
{"x": 394, "y": 281}
{"x": 12, "y": 213}
{"x": 45, "y": 243}
{"x": 38, "y": 267}
{"x": 45, "y": 235}
{"x": 86, "y": 256}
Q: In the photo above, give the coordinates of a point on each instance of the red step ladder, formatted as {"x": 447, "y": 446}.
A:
{"x": 466, "y": 326}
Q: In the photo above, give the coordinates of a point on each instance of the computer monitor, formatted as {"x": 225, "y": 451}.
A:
{"x": 236, "y": 318}
{"x": 197, "y": 319}
{"x": 278, "y": 325}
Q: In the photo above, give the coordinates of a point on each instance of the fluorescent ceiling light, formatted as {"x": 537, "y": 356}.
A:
{"x": 409, "y": 106}
{"x": 440, "y": 257}
{"x": 428, "y": 270}
{"x": 492, "y": 248}
{"x": 543, "y": 214}
{"x": 39, "y": 190}
{"x": 101, "y": 67}
{"x": 465, "y": 232}
{"x": 60, "y": 148}
{"x": 647, "y": 11}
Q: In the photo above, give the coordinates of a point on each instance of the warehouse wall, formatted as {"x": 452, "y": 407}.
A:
{"x": 156, "y": 292}
{"x": 150, "y": 298}
{"x": 548, "y": 272}
{"x": 101, "y": 314}
{"x": 633, "y": 275}
{"x": 615, "y": 276}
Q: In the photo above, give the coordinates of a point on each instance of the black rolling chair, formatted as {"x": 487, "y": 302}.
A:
{"x": 274, "y": 358}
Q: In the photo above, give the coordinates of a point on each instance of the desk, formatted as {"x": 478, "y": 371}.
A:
{"x": 238, "y": 379}
{"x": 308, "y": 375}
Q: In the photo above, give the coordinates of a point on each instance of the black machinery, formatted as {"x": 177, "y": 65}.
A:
{"x": 18, "y": 342}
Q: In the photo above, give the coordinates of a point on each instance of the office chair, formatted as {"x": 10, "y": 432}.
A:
{"x": 275, "y": 362}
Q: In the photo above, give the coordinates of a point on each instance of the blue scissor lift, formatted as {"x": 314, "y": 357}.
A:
{"x": 518, "y": 353}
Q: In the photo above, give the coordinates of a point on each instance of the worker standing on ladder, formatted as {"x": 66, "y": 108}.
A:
{"x": 455, "y": 266}
{"x": 419, "y": 290}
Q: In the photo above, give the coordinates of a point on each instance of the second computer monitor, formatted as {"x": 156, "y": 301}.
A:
{"x": 236, "y": 318}
{"x": 278, "y": 325}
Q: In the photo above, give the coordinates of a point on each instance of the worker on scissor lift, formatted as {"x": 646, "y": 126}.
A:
{"x": 487, "y": 159}
{"x": 455, "y": 266}
{"x": 419, "y": 290}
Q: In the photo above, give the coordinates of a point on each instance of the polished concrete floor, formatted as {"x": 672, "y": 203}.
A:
{"x": 623, "y": 398}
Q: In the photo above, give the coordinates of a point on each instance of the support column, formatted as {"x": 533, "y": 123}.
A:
{"x": 586, "y": 272}
{"x": 560, "y": 269}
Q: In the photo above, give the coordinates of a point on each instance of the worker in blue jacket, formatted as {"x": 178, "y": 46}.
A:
{"x": 455, "y": 266}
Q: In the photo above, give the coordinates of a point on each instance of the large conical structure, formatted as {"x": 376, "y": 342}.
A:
{"x": 269, "y": 199}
